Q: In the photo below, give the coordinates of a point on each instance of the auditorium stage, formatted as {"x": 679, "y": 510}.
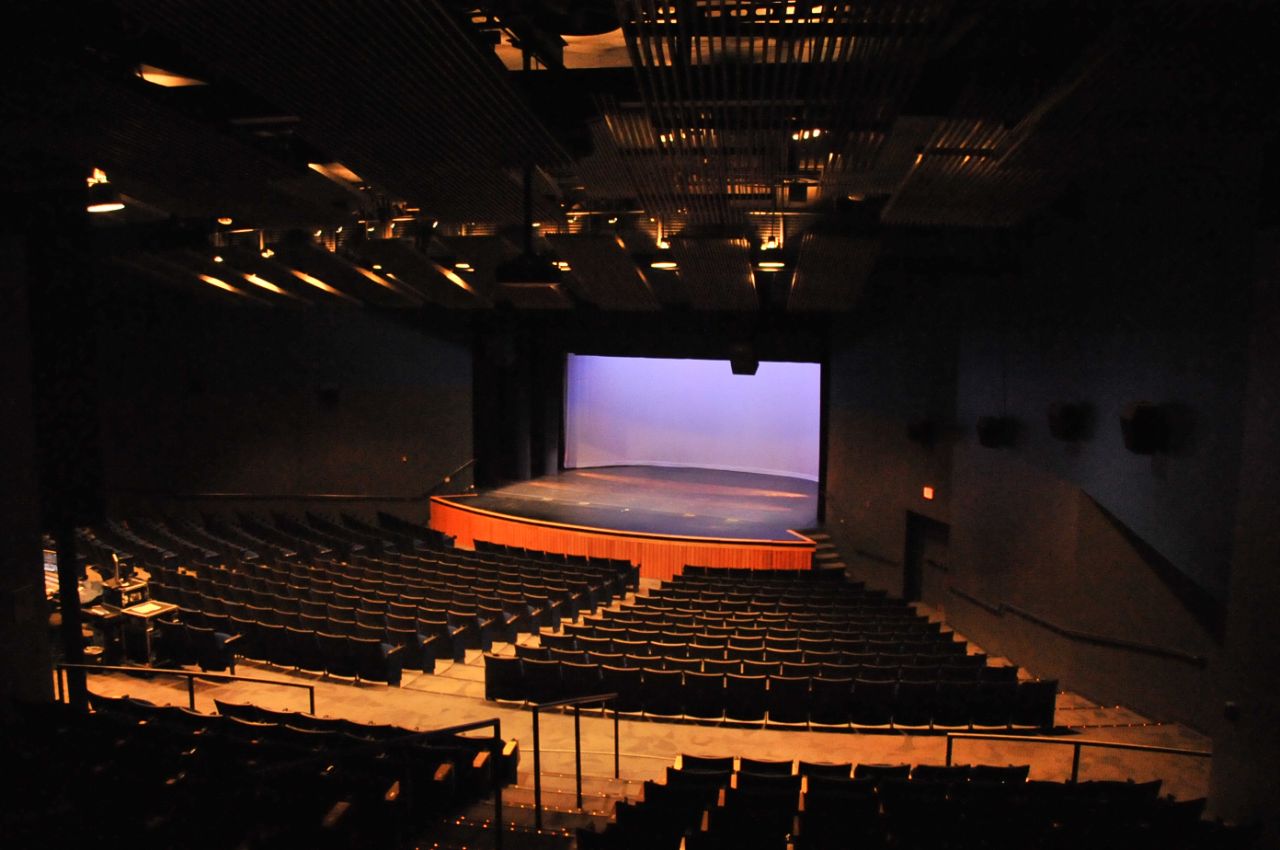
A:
{"x": 658, "y": 517}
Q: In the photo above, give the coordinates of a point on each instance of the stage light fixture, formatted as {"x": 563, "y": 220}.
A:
{"x": 102, "y": 197}
{"x": 664, "y": 260}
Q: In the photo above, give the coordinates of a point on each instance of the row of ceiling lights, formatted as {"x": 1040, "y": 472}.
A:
{"x": 103, "y": 199}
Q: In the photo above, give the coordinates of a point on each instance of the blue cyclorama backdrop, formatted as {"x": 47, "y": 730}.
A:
{"x": 662, "y": 412}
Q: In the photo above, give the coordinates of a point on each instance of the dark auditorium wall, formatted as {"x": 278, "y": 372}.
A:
{"x": 1135, "y": 288}
{"x": 24, "y": 632}
{"x": 1247, "y": 729}
{"x": 881, "y": 378}
{"x": 204, "y": 395}
{"x": 1141, "y": 293}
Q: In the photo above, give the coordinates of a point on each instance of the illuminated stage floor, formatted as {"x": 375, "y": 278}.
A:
{"x": 663, "y": 500}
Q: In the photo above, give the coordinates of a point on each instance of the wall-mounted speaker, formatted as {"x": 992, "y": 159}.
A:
{"x": 995, "y": 432}
{"x": 1071, "y": 422}
{"x": 1145, "y": 427}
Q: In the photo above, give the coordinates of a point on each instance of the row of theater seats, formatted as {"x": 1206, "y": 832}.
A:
{"x": 663, "y": 688}
{"x": 742, "y": 804}
{"x": 498, "y": 608}
{"x": 776, "y": 647}
{"x": 395, "y": 551}
{"x": 248, "y": 539}
{"x": 371, "y": 659}
{"x": 441, "y": 578}
{"x": 769, "y": 660}
{"x": 399, "y": 609}
{"x": 133, "y": 774}
{"x": 787, "y": 647}
{"x": 464, "y": 622}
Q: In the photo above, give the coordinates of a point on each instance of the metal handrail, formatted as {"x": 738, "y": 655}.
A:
{"x": 62, "y": 666}
{"x": 448, "y": 477}
{"x": 998, "y": 609}
{"x": 1077, "y": 743}
{"x": 577, "y": 703}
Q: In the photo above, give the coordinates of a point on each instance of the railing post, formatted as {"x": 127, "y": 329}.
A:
{"x": 497, "y": 783}
{"x": 1075, "y": 763}
{"x": 616, "y": 773}
{"x": 577, "y": 750}
{"x": 311, "y": 692}
{"x": 191, "y": 691}
{"x": 537, "y": 774}
{"x": 949, "y": 740}
{"x": 57, "y": 678}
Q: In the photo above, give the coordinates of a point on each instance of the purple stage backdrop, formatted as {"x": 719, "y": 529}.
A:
{"x": 659, "y": 412}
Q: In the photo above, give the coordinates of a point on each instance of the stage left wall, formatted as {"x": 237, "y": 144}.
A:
{"x": 203, "y": 395}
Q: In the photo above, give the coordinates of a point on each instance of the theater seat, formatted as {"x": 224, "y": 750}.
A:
{"x": 503, "y": 678}
{"x": 377, "y": 661}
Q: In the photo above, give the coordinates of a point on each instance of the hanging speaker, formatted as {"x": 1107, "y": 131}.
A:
{"x": 995, "y": 432}
{"x": 1145, "y": 428}
{"x": 743, "y": 359}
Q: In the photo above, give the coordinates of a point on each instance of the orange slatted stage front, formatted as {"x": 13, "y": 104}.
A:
{"x": 658, "y": 518}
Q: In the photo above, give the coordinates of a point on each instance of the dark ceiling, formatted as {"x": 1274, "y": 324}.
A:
{"x": 783, "y": 156}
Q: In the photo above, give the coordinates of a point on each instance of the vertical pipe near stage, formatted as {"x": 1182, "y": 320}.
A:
{"x": 577, "y": 749}
{"x": 69, "y": 608}
{"x": 537, "y": 774}
{"x": 498, "y": 779}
